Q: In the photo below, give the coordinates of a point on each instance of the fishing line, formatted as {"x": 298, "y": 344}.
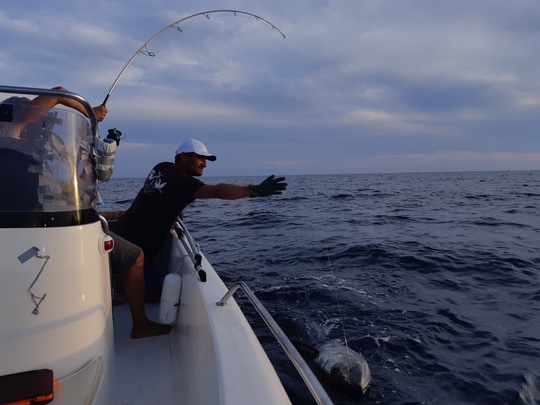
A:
{"x": 318, "y": 210}
{"x": 145, "y": 51}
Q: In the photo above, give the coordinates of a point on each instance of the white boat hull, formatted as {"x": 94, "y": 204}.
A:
{"x": 72, "y": 326}
{"x": 214, "y": 356}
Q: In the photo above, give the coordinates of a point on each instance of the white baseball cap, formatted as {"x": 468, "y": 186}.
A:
{"x": 194, "y": 146}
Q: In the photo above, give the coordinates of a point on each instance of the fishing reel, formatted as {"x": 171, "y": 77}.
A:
{"x": 115, "y": 135}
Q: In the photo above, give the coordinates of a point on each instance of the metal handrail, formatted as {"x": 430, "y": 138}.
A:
{"x": 313, "y": 384}
{"x": 311, "y": 381}
{"x": 57, "y": 93}
{"x": 104, "y": 223}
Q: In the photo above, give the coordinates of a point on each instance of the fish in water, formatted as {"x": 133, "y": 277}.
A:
{"x": 344, "y": 366}
{"x": 339, "y": 364}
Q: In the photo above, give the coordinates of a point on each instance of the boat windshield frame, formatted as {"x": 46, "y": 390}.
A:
{"x": 46, "y": 165}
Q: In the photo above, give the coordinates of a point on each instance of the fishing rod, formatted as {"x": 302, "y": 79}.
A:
{"x": 144, "y": 50}
{"x": 191, "y": 247}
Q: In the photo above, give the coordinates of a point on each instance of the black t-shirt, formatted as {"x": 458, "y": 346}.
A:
{"x": 165, "y": 193}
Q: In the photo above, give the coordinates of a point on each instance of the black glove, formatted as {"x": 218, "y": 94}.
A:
{"x": 270, "y": 186}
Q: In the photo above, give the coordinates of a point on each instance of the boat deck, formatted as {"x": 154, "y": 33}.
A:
{"x": 144, "y": 369}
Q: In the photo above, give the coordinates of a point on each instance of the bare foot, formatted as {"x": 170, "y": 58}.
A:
{"x": 148, "y": 329}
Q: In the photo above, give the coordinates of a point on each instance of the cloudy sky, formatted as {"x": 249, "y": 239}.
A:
{"x": 357, "y": 86}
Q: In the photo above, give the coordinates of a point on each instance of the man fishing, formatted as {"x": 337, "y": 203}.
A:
{"x": 170, "y": 187}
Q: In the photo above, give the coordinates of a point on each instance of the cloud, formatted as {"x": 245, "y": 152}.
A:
{"x": 355, "y": 86}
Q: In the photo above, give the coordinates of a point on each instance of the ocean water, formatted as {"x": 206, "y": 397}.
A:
{"x": 433, "y": 277}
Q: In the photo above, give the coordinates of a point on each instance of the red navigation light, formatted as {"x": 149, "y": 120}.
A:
{"x": 107, "y": 244}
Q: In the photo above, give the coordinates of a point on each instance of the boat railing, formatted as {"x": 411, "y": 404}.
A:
{"x": 56, "y": 93}
{"x": 317, "y": 391}
{"x": 311, "y": 381}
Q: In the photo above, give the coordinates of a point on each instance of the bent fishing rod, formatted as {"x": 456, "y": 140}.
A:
{"x": 144, "y": 48}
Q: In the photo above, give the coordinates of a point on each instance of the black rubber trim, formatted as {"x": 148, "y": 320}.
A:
{"x": 47, "y": 219}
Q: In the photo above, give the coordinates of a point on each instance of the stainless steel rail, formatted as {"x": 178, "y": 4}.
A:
{"x": 315, "y": 387}
{"x": 57, "y": 93}
{"x": 311, "y": 381}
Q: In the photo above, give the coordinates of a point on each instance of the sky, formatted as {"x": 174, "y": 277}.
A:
{"x": 356, "y": 86}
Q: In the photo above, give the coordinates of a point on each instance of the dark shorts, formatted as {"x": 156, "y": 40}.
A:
{"x": 123, "y": 255}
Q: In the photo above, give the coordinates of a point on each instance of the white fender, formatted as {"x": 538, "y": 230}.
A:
{"x": 170, "y": 298}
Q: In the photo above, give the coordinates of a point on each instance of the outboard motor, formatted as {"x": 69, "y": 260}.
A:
{"x": 56, "y": 334}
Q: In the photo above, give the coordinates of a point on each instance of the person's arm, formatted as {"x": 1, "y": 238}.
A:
{"x": 223, "y": 191}
{"x": 48, "y": 102}
{"x": 270, "y": 186}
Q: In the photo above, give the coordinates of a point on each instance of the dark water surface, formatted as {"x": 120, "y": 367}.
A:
{"x": 433, "y": 277}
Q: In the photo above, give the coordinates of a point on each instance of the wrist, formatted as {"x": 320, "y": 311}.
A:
{"x": 252, "y": 191}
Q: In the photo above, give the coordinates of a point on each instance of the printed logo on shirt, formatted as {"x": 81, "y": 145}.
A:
{"x": 154, "y": 183}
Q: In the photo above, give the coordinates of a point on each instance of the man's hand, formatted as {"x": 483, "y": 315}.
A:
{"x": 270, "y": 186}
{"x": 101, "y": 112}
